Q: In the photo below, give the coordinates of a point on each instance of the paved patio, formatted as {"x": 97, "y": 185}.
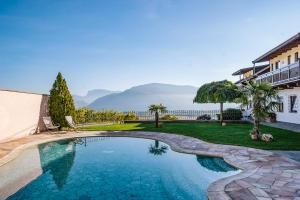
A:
{"x": 284, "y": 125}
{"x": 295, "y": 155}
{"x": 265, "y": 175}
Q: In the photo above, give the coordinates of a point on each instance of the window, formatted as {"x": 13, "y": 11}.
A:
{"x": 289, "y": 60}
{"x": 280, "y": 105}
{"x": 277, "y": 65}
{"x": 272, "y": 67}
{"x": 293, "y": 104}
{"x": 296, "y": 56}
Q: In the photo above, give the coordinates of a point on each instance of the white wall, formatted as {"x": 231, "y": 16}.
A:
{"x": 19, "y": 113}
{"x": 286, "y": 115}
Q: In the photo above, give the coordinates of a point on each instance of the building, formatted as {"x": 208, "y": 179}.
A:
{"x": 281, "y": 71}
{"x": 250, "y": 73}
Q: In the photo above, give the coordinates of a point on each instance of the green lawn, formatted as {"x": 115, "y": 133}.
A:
{"x": 235, "y": 134}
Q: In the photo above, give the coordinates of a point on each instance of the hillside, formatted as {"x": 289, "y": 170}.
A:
{"x": 92, "y": 95}
{"x": 175, "y": 97}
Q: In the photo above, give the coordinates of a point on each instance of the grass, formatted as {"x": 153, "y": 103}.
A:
{"x": 233, "y": 134}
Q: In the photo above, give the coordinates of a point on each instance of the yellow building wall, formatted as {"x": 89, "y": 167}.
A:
{"x": 248, "y": 74}
{"x": 283, "y": 58}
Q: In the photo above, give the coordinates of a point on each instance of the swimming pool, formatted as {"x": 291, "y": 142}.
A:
{"x": 109, "y": 168}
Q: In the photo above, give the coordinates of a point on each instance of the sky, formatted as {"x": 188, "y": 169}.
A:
{"x": 118, "y": 44}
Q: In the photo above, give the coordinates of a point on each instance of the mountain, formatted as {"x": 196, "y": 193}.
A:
{"x": 175, "y": 97}
{"x": 92, "y": 95}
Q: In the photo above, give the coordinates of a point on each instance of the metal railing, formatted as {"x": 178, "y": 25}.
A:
{"x": 283, "y": 75}
{"x": 180, "y": 114}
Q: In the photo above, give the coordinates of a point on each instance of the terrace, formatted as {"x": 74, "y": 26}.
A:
{"x": 284, "y": 75}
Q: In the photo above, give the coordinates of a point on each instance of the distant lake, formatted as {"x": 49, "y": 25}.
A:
{"x": 212, "y": 106}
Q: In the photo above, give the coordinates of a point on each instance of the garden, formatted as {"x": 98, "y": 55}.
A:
{"x": 222, "y": 127}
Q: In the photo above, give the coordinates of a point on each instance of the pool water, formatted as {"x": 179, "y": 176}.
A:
{"x": 109, "y": 168}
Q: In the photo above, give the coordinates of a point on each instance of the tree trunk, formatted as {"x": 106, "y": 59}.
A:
{"x": 255, "y": 132}
{"x": 156, "y": 119}
{"x": 156, "y": 144}
{"x": 257, "y": 126}
{"x": 221, "y": 113}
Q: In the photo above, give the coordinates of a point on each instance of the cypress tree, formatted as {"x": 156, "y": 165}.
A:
{"x": 61, "y": 103}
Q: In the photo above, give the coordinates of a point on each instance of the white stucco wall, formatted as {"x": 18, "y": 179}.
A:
{"x": 19, "y": 113}
{"x": 286, "y": 115}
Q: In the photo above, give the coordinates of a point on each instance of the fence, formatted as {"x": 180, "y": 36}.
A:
{"x": 180, "y": 114}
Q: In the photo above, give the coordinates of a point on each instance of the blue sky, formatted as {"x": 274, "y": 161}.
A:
{"x": 121, "y": 43}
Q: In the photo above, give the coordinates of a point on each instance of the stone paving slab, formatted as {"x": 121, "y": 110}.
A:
{"x": 264, "y": 175}
{"x": 295, "y": 155}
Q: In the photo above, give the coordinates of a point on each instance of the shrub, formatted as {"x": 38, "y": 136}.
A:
{"x": 108, "y": 116}
{"x": 204, "y": 117}
{"x": 231, "y": 114}
{"x": 169, "y": 117}
{"x": 86, "y": 115}
{"x": 131, "y": 116}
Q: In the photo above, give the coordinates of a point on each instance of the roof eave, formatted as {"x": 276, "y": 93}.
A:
{"x": 237, "y": 73}
{"x": 265, "y": 57}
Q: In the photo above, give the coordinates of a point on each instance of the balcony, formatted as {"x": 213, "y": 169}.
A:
{"x": 283, "y": 75}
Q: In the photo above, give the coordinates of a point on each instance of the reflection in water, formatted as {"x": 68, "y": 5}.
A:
{"x": 87, "y": 140}
{"x": 109, "y": 169}
{"x": 156, "y": 149}
{"x": 57, "y": 158}
{"x": 19, "y": 172}
{"x": 80, "y": 141}
{"x": 214, "y": 164}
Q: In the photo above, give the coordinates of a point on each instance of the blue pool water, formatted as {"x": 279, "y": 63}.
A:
{"x": 112, "y": 168}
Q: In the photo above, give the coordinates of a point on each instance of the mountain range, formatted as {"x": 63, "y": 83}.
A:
{"x": 138, "y": 98}
{"x": 92, "y": 95}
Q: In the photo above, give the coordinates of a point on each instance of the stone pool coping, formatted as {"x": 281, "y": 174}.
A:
{"x": 264, "y": 175}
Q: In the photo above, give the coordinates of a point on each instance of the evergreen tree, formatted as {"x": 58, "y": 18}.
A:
{"x": 61, "y": 102}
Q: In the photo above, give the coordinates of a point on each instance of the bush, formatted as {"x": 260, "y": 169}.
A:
{"x": 204, "y": 117}
{"x": 231, "y": 114}
{"x": 86, "y": 115}
{"x": 131, "y": 116}
{"x": 169, "y": 117}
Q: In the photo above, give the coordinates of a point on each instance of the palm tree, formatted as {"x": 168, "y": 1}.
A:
{"x": 156, "y": 108}
{"x": 156, "y": 149}
{"x": 264, "y": 99}
{"x": 217, "y": 92}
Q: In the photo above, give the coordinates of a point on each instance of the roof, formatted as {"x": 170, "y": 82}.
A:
{"x": 259, "y": 70}
{"x": 242, "y": 71}
{"x": 281, "y": 48}
{"x": 245, "y": 70}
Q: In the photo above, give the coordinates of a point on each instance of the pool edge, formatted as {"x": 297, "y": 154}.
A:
{"x": 234, "y": 155}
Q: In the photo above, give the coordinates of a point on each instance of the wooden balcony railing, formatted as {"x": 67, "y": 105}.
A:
{"x": 283, "y": 75}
